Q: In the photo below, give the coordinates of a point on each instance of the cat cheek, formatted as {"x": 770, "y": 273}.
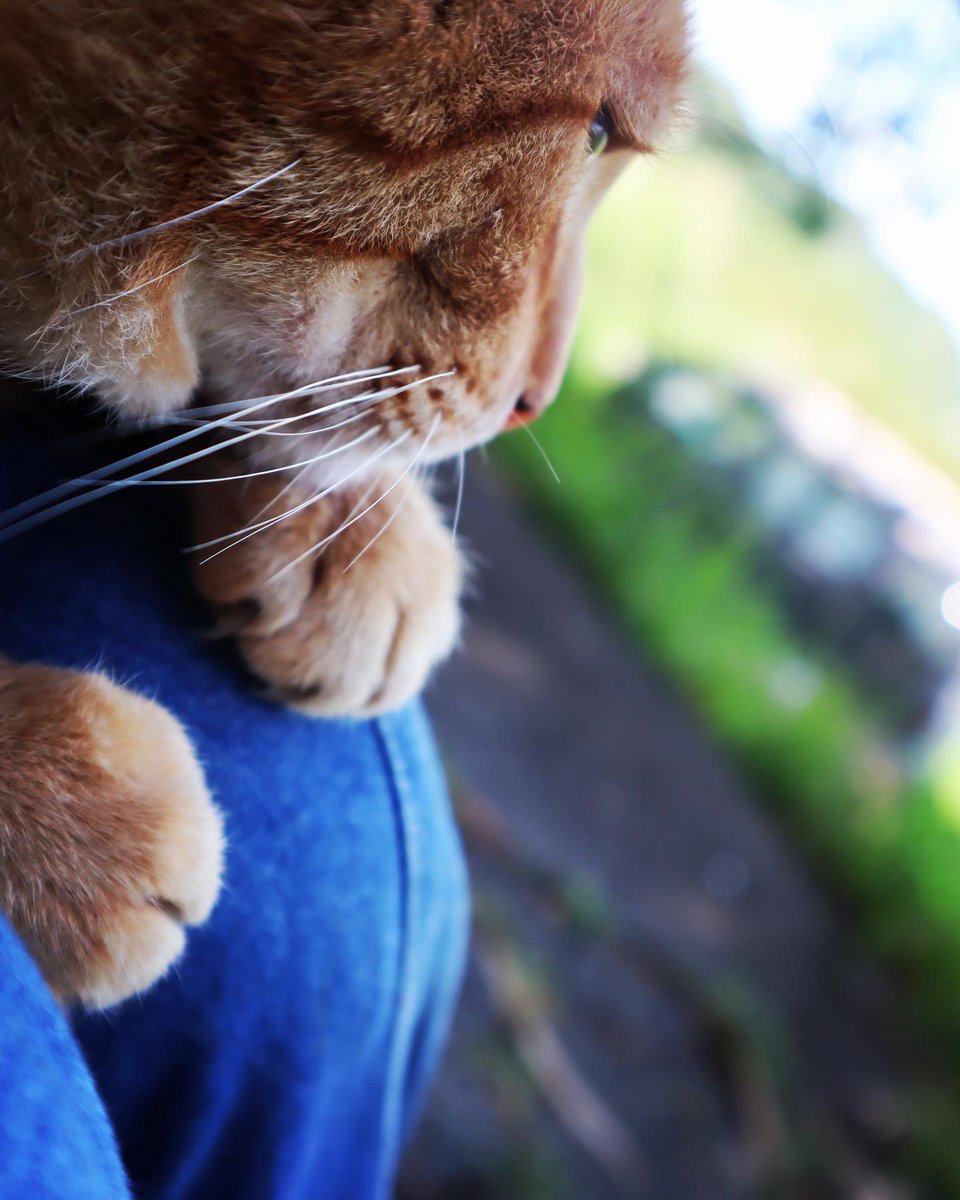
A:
{"x": 164, "y": 378}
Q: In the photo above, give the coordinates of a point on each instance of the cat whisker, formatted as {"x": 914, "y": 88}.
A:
{"x": 272, "y": 431}
{"x": 376, "y": 396}
{"x": 363, "y": 498}
{"x": 25, "y": 516}
{"x": 26, "y": 523}
{"x": 241, "y": 535}
{"x": 272, "y": 424}
{"x": 127, "y": 292}
{"x": 368, "y": 399}
{"x": 288, "y": 487}
{"x": 127, "y": 238}
{"x": 371, "y": 399}
{"x": 543, "y": 454}
{"x": 63, "y": 499}
{"x": 461, "y": 480}
{"x": 384, "y": 527}
{"x": 285, "y": 490}
{"x": 307, "y": 462}
{"x": 232, "y": 408}
{"x": 12, "y": 517}
{"x": 325, "y": 385}
{"x": 379, "y": 534}
{"x": 353, "y": 520}
{"x": 119, "y": 429}
{"x": 204, "y": 452}
{"x": 298, "y": 478}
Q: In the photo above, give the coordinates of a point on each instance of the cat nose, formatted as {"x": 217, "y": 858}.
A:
{"x": 525, "y": 410}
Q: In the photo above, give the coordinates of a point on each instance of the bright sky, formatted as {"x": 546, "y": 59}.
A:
{"x": 786, "y": 59}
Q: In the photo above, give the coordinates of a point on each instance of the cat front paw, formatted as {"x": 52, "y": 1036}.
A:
{"x": 340, "y": 612}
{"x": 112, "y": 845}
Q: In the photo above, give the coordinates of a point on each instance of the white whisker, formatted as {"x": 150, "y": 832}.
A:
{"x": 363, "y": 497}
{"x": 307, "y": 462}
{"x": 12, "y": 515}
{"x": 543, "y": 454}
{"x": 126, "y": 238}
{"x": 241, "y": 535}
{"x": 353, "y": 520}
{"x": 325, "y": 385}
{"x": 379, "y": 534}
{"x": 461, "y": 476}
{"x": 189, "y": 416}
{"x": 271, "y": 430}
{"x": 10, "y": 526}
{"x": 129, "y": 291}
{"x": 287, "y": 487}
{"x": 384, "y": 527}
{"x": 371, "y": 399}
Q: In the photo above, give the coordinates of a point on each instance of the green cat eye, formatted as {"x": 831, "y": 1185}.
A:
{"x": 598, "y": 135}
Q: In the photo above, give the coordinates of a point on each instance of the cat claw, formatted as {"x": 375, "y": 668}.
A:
{"x": 288, "y": 697}
{"x": 234, "y": 619}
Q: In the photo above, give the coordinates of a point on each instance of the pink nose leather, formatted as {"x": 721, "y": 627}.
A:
{"x": 523, "y": 413}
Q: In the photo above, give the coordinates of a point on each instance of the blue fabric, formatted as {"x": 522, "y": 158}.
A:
{"x": 285, "y": 1056}
{"x": 55, "y": 1138}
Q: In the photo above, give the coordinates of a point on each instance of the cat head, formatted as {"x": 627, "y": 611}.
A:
{"x": 409, "y": 185}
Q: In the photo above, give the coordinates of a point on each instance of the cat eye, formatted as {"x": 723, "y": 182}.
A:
{"x": 601, "y": 127}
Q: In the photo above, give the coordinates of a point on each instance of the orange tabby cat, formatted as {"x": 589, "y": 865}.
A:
{"x": 259, "y": 196}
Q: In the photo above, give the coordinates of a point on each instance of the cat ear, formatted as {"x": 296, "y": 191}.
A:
{"x": 163, "y": 372}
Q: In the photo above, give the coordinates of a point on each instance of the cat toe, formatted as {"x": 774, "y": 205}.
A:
{"x": 124, "y": 845}
{"x": 337, "y": 615}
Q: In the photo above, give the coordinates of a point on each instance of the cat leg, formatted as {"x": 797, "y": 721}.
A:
{"x": 109, "y": 842}
{"x": 340, "y": 612}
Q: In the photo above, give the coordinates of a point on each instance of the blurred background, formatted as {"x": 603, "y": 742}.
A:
{"x": 703, "y": 734}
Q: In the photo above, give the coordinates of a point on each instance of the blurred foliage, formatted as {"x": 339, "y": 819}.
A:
{"x": 718, "y": 258}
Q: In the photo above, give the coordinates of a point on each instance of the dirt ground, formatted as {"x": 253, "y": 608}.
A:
{"x": 662, "y": 1002}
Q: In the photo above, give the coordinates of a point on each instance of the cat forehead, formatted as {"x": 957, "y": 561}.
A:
{"x": 408, "y": 76}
